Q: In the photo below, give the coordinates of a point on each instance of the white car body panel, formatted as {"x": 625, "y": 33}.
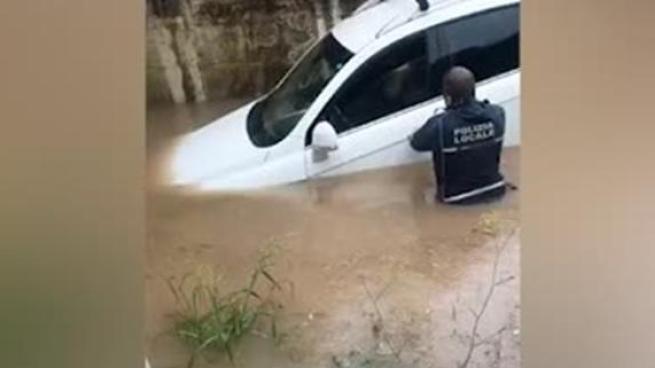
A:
{"x": 384, "y": 142}
{"x": 211, "y": 150}
{"x": 359, "y": 31}
{"x": 220, "y": 156}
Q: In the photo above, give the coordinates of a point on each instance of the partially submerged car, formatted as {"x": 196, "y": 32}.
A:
{"x": 353, "y": 99}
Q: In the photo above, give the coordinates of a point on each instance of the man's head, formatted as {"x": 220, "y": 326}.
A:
{"x": 458, "y": 86}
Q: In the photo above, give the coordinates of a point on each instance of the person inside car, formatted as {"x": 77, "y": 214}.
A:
{"x": 466, "y": 141}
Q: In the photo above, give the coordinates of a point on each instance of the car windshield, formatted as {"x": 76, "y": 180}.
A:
{"x": 274, "y": 117}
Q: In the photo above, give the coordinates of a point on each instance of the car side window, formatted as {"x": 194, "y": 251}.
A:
{"x": 392, "y": 80}
{"x": 487, "y": 43}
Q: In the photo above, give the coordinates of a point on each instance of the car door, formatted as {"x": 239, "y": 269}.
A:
{"x": 487, "y": 43}
{"x": 397, "y": 90}
{"x": 377, "y": 108}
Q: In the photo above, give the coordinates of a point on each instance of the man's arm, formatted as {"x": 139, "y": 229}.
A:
{"x": 427, "y": 137}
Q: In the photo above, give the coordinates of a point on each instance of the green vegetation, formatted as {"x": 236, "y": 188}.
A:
{"x": 208, "y": 319}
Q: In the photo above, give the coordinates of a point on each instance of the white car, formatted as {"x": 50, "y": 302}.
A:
{"x": 353, "y": 99}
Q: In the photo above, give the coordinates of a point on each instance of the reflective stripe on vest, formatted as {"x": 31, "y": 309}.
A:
{"x": 471, "y": 146}
{"x": 474, "y": 192}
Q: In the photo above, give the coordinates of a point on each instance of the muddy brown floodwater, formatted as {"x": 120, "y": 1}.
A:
{"x": 381, "y": 275}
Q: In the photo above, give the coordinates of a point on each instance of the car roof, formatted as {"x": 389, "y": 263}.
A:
{"x": 375, "y": 18}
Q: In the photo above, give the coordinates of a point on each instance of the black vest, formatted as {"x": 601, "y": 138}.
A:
{"x": 466, "y": 142}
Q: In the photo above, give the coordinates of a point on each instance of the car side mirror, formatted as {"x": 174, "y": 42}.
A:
{"x": 324, "y": 140}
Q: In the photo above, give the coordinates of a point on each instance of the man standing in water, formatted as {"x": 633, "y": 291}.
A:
{"x": 466, "y": 142}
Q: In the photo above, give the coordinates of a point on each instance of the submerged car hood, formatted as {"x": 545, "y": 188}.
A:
{"x": 215, "y": 150}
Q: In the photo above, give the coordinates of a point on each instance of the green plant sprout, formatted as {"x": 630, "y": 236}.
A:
{"x": 208, "y": 319}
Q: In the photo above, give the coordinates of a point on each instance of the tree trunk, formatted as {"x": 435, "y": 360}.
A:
{"x": 335, "y": 11}
{"x": 321, "y": 25}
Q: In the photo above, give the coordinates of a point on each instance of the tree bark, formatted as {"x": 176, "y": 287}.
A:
{"x": 336, "y": 12}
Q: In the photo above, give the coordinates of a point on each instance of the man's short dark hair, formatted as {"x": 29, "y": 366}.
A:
{"x": 459, "y": 84}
